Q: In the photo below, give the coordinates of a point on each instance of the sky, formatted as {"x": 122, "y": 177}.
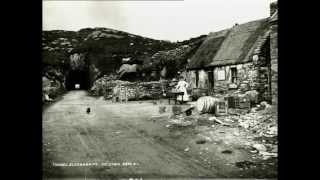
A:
{"x": 163, "y": 20}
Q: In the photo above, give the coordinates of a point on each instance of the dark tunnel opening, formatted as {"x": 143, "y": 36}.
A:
{"x": 80, "y": 77}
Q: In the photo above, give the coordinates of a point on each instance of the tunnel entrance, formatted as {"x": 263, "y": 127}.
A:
{"x": 79, "y": 77}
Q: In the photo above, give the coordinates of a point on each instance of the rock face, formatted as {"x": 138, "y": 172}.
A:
{"x": 106, "y": 49}
{"x": 51, "y": 88}
{"x": 77, "y": 61}
{"x": 53, "y": 81}
{"x": 127, "y": 69}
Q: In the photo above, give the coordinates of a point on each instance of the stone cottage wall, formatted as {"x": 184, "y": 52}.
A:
{"x": 274, "y": 62}
{"x": 274, "y": 51}
{"x": 250, "y": 76}
{"x": 247, "y": 78}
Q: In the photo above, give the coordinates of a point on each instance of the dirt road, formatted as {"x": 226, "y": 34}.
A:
{"x": 119, "y": 140}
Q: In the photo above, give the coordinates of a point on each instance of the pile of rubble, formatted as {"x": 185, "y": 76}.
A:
{"x": 51, "y": 88}
{"x": 262, "y": 122}
{"x": 259, "y": 126}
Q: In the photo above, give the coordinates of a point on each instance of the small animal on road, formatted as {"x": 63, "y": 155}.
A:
{"x": 88, "y": 110}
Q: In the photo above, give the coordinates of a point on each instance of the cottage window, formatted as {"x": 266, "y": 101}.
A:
{"x": 234, "y": 75}
{"x": 221, "y": 74}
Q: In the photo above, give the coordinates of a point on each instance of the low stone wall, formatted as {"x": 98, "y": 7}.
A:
{"x": 134, "y": 90}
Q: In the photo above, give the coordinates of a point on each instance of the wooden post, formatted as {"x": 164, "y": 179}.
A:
{"x": 126, "y": 95}
{"x": 137, "y": 91}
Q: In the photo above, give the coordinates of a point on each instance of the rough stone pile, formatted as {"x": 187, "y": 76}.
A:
{"x": 147, "y": 90}
{"x": 103, "y": 85}
{"x": 264, "y": 127}
{"x": 261, "y": 122}
{"x": 53, "y": 80}
{"x": 51, "y": 88}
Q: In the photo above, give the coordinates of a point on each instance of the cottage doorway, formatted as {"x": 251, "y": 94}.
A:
{"x": 265, "y": 71}
{"x": 197, "y": 79}
{"x": 211, "y": 80}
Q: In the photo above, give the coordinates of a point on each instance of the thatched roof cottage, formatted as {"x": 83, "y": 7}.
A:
{"x": 238, "y": 58}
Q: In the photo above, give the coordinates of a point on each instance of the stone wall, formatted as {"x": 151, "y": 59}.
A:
{"x": 106, "y": 85}
{"x": 146, "y": 90}
{"x": 274, "y": 62}
{"x": 247, "y": 75}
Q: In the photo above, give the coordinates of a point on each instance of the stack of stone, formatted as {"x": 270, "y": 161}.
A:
{"x": 131, "y": 90}
{"x": 134, "y": 90}
{"x": 104, "y": 85}
{"x": 145, "y": 90}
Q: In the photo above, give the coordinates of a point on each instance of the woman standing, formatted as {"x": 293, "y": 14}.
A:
{"x": 182, "y": 87}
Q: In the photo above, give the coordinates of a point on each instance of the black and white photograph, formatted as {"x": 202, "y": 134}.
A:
{"x": 159, "y": 89}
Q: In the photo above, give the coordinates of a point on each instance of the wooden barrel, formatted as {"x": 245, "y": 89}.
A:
{"x": 207, "y": 104}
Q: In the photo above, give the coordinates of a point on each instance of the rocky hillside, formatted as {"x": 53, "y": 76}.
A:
{"x": 102, "y": 51}
{"x": 101, "y": 48}
{"x": 170, "y": 62}
{"x": 98, "y": 51}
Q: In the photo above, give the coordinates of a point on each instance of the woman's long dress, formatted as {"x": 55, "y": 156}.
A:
{"x": 182, "y": 87}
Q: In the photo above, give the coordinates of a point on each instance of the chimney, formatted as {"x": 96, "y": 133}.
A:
{"x": 273, "y": 7}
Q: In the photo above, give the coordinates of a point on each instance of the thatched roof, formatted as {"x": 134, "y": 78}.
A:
{"x": 231, "y": 46}
{"x": 274, "y": 17}
{"x": 207, "y": 49}
{"x": 239, "y": 44}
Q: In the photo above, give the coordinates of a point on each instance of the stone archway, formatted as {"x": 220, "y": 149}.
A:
{"x": 80, "y": 77}
{"x": 78, "y": 73}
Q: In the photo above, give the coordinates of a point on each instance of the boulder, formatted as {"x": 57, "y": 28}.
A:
{"x": 260, "y": 147}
